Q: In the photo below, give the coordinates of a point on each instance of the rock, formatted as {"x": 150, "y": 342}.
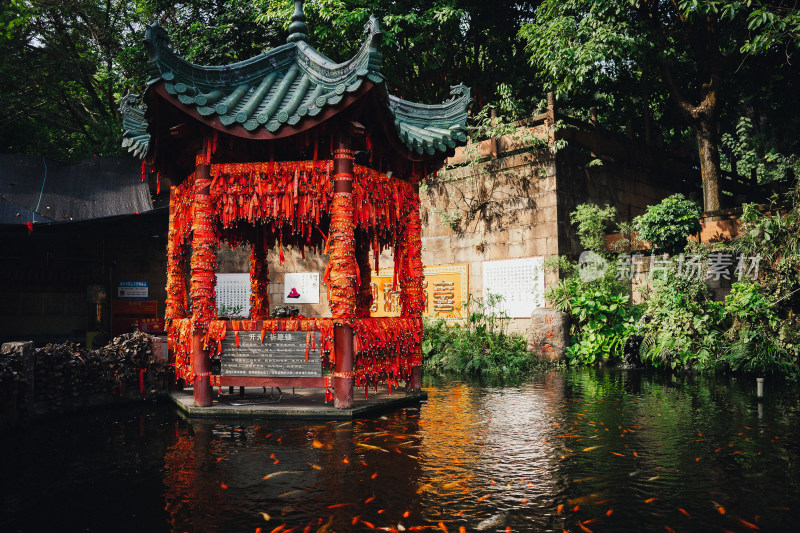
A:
{"x": 548, "y": 334}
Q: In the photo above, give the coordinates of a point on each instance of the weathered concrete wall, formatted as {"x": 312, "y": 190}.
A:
{"x": 505, "y": 208}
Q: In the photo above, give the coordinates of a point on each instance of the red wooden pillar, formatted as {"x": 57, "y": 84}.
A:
{"x": 412, "y": 296}
{"x": 342, "y": 272}
{"x": 203, "y": 265}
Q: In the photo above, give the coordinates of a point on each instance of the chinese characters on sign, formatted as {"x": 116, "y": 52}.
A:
{"x": 519, "y": 282}
{"x": 717, "y": 266}
{"x": 446, "y": 290}
{"x": 283, "y": 354}
{"x": 233, "y": 292}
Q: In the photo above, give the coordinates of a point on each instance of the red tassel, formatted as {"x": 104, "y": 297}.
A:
{"x": 237, "y": 339}
{"x": 30, "y": 227}
{"x": 143, "y": 171}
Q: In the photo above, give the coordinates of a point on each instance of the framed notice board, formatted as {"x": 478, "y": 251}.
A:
{"x": 282, "y": 355}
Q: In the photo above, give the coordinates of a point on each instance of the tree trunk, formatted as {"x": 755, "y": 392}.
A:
{"x": 710, "y": 173}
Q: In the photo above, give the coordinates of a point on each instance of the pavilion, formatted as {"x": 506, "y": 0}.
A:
{"x": 263, "y": 153}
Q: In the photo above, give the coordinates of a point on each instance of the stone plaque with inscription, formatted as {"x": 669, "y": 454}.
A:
{"x": 283, "y": 354}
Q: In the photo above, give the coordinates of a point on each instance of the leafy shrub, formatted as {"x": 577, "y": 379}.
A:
{"x": 591, "y": 220}
{"x": 682, "y": 324}
{"x": 602, "y": 318}
{"x": 668, "y": 225}
{"x": 480, "y": 347}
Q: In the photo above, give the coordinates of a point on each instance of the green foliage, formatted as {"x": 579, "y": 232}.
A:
{"x": 481, "y": 347}
{"x": 750, "y": 154}
{"x": 668, "y": 225}
{"x": 602, "y": 317}
{"x": 682, "y": 324}
{"x": 592, "y": 220}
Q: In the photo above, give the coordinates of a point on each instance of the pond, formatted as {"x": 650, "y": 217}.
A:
{"x": 575, "y": 450}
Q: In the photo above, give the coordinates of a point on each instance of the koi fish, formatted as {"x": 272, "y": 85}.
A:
{"x": 278, "y": 529}
{"x": 669, "y": 529}
{"x": 650, "y": 500}
{"x": 720, "y": 509}
{"x": 291, "y": 493}
{"x": 584, "y": 528}
{"x": 485, "y": 496}
{"x": 337, "y": 505}
{"x": 590, "y": 448}
{"x": 491, "y": 522}
{"x": 425, "y": 487}
{"x": 684, "y": 512}
{"x": 373, "y": 476}
{"x": 406, "y": 514}
{"x": 265, "y": 516}
{"x": 280, "y": 473}
{"x": 326, "y": 527}
{"x": 747, "y": 524}
{"x": 560, "y": 508}
{"x": 442, "y": 527}
{"x": 355, "y": 519}
{"x": 370, "y": 499}
{"x": 653, "y": 478}
{"x": 583, "y": 499}
{"x": 371, "y": 447}
{"x": 462, "y": 529}
{"x": 317, "y": 444}
{"x": 618, "y": 454}
{"x": 368, "y": 524}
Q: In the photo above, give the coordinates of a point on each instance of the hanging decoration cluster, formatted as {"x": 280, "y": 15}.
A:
{"x": 381, "y": 345}
{"x": 341, "y": 275}
{"x": 412, "y": 297}
{"x": 259, "y": 283}
{"x": 297, "y": 199}
{"x": 204, "y": 259}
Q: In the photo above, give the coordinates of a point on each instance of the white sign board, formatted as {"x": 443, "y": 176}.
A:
{"x": 301, "y": 288}
{"x": 132, "y": 290}
{"x": 520, "y": 283}
{"x": 233, "y": 292}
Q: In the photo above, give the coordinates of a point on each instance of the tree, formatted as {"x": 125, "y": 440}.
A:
{"x": 430, "y": 44}
{"x": 695, "y": 53}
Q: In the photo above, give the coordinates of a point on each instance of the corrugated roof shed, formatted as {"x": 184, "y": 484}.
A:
{"x": 38, "y": 190}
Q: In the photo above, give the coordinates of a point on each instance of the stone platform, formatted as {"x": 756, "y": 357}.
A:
{"x": 303, "y": 403}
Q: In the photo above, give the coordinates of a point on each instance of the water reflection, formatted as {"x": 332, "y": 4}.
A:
{"x": 581, "y": 449}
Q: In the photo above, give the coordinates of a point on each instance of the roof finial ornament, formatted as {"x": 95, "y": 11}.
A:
{"x": 298, "y": 30}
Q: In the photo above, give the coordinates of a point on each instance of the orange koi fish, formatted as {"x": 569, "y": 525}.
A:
{"x": 650, "y": 500}
{"x": 278, "y": 529}
{"x": 669, "y": 529}
{"x": 560, "y": 508}
{"x": 355, "y": 519}
{"x": 442, "y": 527}
{"x": 370, "y": 499}
{"x": 223, "y": 485}
{"x": 337, "y": 505}
{"x": 684, "y": 512}
{"x": 368, "y": 524}
{"x": 317, "y": 444}
{"x": 610, "y": 512}
{"x": 483, "y": 497}
{"x": 720, "y": 509}
{"x": 584, "y": 528}
{"x": 747, "y": 524}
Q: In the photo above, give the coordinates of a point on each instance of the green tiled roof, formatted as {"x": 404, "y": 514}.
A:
{"x": 286, "y": 86}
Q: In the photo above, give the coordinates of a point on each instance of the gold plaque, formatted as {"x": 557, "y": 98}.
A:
{"x": 446, "y": 289}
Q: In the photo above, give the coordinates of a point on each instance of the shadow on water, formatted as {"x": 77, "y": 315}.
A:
{"x": 575, "y": 449}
